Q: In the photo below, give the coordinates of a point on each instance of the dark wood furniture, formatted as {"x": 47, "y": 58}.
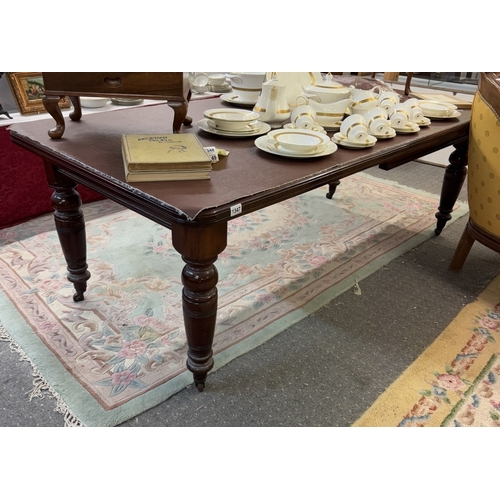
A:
{"x": 171, "y": 87}
{"x": 197, "y": 211}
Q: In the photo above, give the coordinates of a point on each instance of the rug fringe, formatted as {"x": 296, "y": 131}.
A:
{"x": 41, "y": 386}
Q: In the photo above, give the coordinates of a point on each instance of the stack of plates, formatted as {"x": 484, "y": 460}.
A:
{"x": 233, "y": 122}
{"x": 439, "y": 110}
{"x": 296, "y": 143}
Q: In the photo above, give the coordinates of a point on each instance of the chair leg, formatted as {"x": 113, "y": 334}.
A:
{"x": 462, "y": 250}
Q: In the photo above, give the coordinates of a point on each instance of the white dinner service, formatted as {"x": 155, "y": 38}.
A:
{"x": 264, "y": 144}
{"x": 316, "y": 127}
{"x": 229, "y": 126}
{"x": 400, "y": 116}
{"x": 247, "y": 85}
{"x": 343, "y": 141}
{"x": 231, "y": 119}
{"x": 438, "y": 109}
{"x": 423, "y": 122}
{"x": 259, "y": 129}
{"x": 354, "y": 129}
{"x": 327, "y": 90}
{"x": 304, "y": 117}
{"x": 298, "y": 141}
{"x": 363, "y": 98}
{"x": 217, "y": 79}
{"x": 377, "y": 122}
{"x": 388, "y": 99}
{"x": 233, "y": 98}
{"x": 328, "y": 115}
{"x": 272, "y": 104}
{"x": 409, "y": 128}
{"x": 93, "y": 102}
{"x": 416, "y": 111}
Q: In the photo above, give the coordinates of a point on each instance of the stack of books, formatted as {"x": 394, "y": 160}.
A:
{"x": 168, "y": 157}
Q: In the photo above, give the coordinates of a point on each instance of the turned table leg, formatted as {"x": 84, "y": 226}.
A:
{"x": 199, "y": 248}
{"x": 332, "y": 187}
{"x": 70, "y": 226}
{"x": 454, "y": 177}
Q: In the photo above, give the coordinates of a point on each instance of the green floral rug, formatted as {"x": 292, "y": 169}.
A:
{"x": 123, "y": 349}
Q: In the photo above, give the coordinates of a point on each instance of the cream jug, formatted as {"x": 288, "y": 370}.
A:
{"x": 272, "y": 104}
{"x": 361, "y": 97}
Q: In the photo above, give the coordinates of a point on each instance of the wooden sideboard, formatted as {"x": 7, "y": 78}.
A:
{"x": 173, "y": 87}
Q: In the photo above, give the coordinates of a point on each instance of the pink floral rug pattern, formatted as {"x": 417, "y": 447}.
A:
{"x": 127, "y": 337}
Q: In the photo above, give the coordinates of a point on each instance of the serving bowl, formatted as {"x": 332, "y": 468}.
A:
{"x": 93, "y": 102}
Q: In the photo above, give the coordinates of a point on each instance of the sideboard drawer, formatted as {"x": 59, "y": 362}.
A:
{"x": 148, "y": 85}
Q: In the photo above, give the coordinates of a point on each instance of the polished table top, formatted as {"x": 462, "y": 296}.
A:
{"x": 90, "y": 152}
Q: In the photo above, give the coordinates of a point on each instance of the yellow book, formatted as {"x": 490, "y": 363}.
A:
{"x": 150, "y": 152}
{"x": 181, "y": 174}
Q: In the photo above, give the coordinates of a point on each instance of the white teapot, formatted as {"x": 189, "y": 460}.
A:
{"x": 272, "y": 104}
{"x": 327, "y": 91}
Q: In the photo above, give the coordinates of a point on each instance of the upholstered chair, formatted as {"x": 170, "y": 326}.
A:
{"x": 483, "y": 176}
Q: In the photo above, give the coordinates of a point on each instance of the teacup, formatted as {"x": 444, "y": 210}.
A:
{"x": 200, "y": 80}
{"x": 217, "y": 79}
{"x": 364, "y": 107}
{"x": 247, "y": 86}
{"x": 200, "y": 89}
{"x": 400, "y": 115}
{"x": 377, "y": 122}
{"x": 417, "y": 113}
{"x": 354, "y": 129}
{"x": 388, "y": 99}
{"x": 304, "y": 117}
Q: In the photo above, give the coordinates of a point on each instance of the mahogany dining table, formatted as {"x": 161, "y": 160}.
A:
{"x": 197, "y": 211}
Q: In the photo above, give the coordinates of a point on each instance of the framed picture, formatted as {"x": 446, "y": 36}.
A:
{"x": 28, "y": 89}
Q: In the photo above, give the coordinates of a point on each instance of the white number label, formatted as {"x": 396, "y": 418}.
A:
{"x": 236, "y": 209}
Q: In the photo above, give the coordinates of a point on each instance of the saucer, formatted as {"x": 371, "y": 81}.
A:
{"x": 263, "y": 144}
{"x": 406, "y": 129}
{"x": 263, "y": 129}
{"x": 317, "y": 128}
{"x": 339, "y": 139}
{"x": 225, "y": 87}
{"x": 233, "y": 98}
{"x": 389, "y": 135}
{"x": 455, "y": 114}
{"x": 424, "y": 122}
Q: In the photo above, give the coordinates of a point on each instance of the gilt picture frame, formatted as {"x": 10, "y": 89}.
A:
{"x": 27, "y": 89}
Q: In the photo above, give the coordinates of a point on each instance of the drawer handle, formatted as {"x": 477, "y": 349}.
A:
{"x": 113, "y": 82}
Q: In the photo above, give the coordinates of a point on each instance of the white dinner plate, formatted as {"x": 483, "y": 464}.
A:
{"x": 233, "y": 98}
{"x": 339, "y": 139}
{"x": 455, "y": 114}
{"x": 264, "y": 129}
{"x": 264, "y": 145}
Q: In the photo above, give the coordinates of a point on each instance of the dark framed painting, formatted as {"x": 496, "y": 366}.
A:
{"x": 28, "y": 89}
